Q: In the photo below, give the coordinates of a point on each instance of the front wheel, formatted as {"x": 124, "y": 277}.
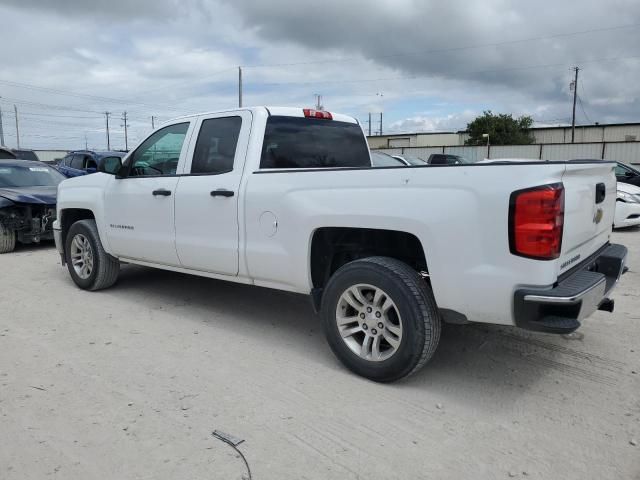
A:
{"x": 90, "y": 267}
{"x": 7, "y": 239}
{"x": 380, "y": 318}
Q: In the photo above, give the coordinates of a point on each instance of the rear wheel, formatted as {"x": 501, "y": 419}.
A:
{"x": 90, "y": 267}
{"x": 7, "y": 239}
{"x": 380, "y": 318}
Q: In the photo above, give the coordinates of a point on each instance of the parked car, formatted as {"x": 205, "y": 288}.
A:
{"x": 24, "y": 154}
{"x": 287, "y": 198}
{"x": 627, "y": 174}
{"x": 6, "y": 154}
{"x": 27, "y": 202}
{"x": 446, "y": 159}
{"x": 381, "y": 159}
{"x": 410, "y": 160}
{"x": 83, "y": 162}
{"x": 627, "y": 206}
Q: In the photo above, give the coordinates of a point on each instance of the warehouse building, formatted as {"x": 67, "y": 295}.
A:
{"x": 619, "y": 142}
{"x": 615, "y": 132}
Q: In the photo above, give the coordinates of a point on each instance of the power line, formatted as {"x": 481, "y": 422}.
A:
{"x": 82, "y": 95}
{"x": 574, "y": 85}
{"x": 468, "y": 72}
{"x": 583, "y": 110}
{"x": 126, "y": 127}
{"x": 38, "y": 114}
{"x": 188, "y": 82}
{"x": 451, "y": 49}
{"x": 341, "y": 60}
{"x": 50, "y": 106}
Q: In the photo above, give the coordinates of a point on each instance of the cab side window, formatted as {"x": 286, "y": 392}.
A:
{"x": 159, "y": 154}
{"x": 621, "y": 171}
{"x": 77, "y": 161}
{"x": 90, "y": 162}
{"x": 216, "y": 146}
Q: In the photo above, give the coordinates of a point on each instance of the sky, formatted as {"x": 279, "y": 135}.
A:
{"x": 427, "y": 65}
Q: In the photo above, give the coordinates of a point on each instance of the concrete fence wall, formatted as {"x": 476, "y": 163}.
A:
{"x": 626, "y": 152}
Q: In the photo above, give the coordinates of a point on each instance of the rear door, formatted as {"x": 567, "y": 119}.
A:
{"x": 207, "y": 195}
{"x": 139, "y": 206}
{"x": 590, "y": 199}
{"x": 63, "y": 166}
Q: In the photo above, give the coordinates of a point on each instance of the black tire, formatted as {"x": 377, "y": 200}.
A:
{"x": 105, "y": 267}
{"x": 417, "y": 310}
{"x": 7, "y": 239}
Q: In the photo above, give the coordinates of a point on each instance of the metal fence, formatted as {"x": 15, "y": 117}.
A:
{"x": 626, "y": 152}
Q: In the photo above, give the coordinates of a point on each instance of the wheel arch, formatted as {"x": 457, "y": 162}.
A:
{"x": 332, "y": 247}
{"x": 69, "y": 216}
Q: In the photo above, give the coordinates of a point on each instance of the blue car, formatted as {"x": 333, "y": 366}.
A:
{"x": 84, "y": 162}
{"x": 27, "y": 202}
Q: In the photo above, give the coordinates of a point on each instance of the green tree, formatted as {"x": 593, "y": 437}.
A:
{"x": 503, "y": 129}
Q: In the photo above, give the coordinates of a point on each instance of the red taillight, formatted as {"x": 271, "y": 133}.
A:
{"x": 536, "y": 218}
{"x": 311, "y": 113}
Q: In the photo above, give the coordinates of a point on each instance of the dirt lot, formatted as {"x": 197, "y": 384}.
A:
{"x": 130, "y": 382}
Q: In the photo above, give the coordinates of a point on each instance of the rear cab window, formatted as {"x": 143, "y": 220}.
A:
{"x": 300, "y": 142}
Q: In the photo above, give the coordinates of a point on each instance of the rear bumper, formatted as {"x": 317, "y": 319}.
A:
{"x": 562, "y": 308}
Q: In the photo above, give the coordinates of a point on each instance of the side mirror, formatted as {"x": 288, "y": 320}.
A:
{"x": 629, "y": 174}
{"x": 110, "y": 165}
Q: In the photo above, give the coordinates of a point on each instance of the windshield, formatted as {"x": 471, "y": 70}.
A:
{"x": 414, "y": 160}
{"x": 6, "y": 154}
{"x": 622, "y": 170}
{"x": 29, "y": 176}
{"x": 25, "y": 155}
{"x": 379, "y": 159}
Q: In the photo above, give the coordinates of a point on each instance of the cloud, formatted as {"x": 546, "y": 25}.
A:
{"x": 476, "y": 42}
{"x": 122, "y": 10}
{"x": 427, "y": 65}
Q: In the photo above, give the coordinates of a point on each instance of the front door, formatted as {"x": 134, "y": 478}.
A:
{"x": 207, "y": 196}
{"x": 139, "y": 204}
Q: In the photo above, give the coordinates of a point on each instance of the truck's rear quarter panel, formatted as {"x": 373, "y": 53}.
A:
{"x": 459, "y": 213}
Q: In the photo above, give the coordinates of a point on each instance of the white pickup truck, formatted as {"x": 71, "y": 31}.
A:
{"x": 286, "y": 198}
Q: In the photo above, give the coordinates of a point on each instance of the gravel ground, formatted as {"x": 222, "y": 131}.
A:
{"x": 129, "y": 383}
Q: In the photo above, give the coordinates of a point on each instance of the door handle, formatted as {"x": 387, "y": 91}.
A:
{"x": 162, "y": 192}
{"x": 221, "y": 192}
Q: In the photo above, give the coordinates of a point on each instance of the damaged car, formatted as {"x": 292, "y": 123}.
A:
{"x": 27, "y": 202}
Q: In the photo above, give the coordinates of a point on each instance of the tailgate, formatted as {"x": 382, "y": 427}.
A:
{"x": 587, "y": 220}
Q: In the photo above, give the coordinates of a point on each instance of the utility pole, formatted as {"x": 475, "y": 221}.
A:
{"x": 239, "y": 87}
{"x": 153, "y": 123}
{"x": 575, "y": 97}
{"x": 15, "y": 110}
{"x": 1, "y": 130}
{"x": 380, "y": 123}
{"x": 86, "y": 143}
{"x": 369, "y": 123}
{"x": 106, "y": 115}
{"x": 125, "y": 125}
